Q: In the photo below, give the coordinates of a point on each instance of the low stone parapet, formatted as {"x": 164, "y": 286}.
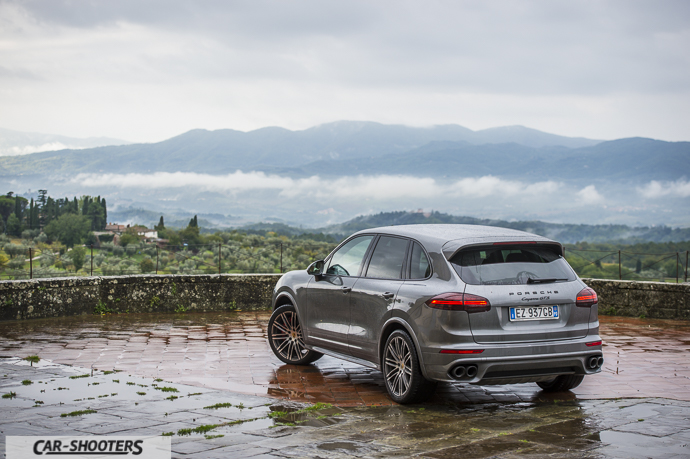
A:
{"x": 654, "y": 300}
{"x": 69, "y": 296}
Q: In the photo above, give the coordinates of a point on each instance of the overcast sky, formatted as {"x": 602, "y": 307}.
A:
{"x": 148, "y": 70}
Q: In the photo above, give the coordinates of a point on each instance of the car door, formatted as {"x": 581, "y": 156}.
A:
{"x": 373, "y": 296}
{"x": 328, "y": 296}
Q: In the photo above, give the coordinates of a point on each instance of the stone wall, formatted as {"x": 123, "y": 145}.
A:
{"x": 654, "y": 300}
{"x": 69, "y": 296}
{"x": 38, "y": 298}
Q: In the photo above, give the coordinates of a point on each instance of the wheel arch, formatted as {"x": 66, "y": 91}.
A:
{"x": 397, "y": 323}
{"x": 282, "y": 298}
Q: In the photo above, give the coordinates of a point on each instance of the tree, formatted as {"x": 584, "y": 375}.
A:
{"x": 14, "y": 226}
{"x": 160, "y": 225}
{"x": 78, "y": 254}
{"x": 69, "y": 229}
{"x": 146, "y": 265}
{"x": 190, "y": 235}
{"x": 130, "y": 236}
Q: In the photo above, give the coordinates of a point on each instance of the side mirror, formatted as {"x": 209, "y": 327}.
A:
{"x": 316, "y": 268}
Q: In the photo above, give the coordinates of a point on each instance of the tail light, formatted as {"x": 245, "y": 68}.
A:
{"x": 586, "y": 298}
{"x": 459, "y": 302}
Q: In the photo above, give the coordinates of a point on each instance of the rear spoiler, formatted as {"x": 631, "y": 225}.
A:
{"x": 450, "y": 248}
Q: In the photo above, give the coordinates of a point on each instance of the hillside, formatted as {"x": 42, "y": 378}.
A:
{"x": 562, "y": 232}
{"x": 227, "y": 150}
{"x": 634, "y": 158}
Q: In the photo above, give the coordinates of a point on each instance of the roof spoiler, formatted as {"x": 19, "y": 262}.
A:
{"x": 450, "y": 248}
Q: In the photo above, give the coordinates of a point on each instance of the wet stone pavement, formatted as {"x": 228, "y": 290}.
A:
{"x": 171, "y": 368}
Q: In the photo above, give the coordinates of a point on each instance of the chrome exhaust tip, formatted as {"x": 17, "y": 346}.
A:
{"x": 458, "y": 372}
{"x": 600, "y": 362}
{"x": 592, "y": 362}
{"x": 471, "y": 371}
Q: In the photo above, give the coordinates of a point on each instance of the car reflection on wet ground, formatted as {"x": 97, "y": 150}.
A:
{"x": 637, "y": 407}
{"x": 229, "y": 351}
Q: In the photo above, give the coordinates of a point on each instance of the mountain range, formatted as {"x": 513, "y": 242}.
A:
{"x": 227, "y": 150}
{"x": 352, "y": 148}
{"x": 335, "y": 171}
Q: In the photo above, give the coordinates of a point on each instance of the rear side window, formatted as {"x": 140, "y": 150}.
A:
{"x": 512, "y": 265}
{"x": 388, "y": 258}
{"x": 348, "y": 259}
{"x": 419, "y": 263}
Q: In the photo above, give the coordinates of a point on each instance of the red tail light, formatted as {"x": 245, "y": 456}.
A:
{"x": 459, "y": 302}
{"x": 586, "y": 298}
{"x": 593, "y": 343}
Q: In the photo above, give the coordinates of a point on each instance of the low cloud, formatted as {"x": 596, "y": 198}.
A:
{"x": 28, "y": 149}
{"x": 379, "y": 187}
{"x": 654, "y": 189}
{"x": 590, "y": 195}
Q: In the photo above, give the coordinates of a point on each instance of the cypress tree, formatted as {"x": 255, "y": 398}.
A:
{"x": 85, "y": 206}
{"x": 105, "y": 214}
{"x": 31, "y": 214}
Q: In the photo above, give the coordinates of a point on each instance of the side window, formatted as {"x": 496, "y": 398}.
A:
{"x": 388, "y": 258}
{"x": 419, "y": 263}
{"x": 348, "y": 259}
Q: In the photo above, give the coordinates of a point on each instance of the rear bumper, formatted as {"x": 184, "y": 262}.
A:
{"x": 516, "y": 363}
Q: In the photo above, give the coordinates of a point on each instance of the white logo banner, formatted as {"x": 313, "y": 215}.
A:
{"x": 92, "y": 447}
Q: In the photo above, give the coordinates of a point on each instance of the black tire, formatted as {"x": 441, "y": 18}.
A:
{"x": 561, "y": 383}
{"x": 285, "y": 337}
{"x": 402, "y": 373}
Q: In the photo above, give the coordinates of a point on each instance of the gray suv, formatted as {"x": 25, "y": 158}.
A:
{"x": 430, "y": 303}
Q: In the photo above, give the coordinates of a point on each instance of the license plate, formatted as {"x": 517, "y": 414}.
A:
{"x": 534, "y": 313}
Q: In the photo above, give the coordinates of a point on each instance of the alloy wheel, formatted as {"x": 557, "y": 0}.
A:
{"x": 398, "y": 366}
{"x": 286, "y": 334}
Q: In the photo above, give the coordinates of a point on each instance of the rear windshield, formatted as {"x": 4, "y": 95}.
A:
{"x": 512, "y": 265}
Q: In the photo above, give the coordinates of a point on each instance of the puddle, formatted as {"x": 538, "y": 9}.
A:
{"x": 339, "y": 446}
{"x": 633, "y": 446}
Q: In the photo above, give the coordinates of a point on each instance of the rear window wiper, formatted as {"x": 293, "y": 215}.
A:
{"x": 544, "y": 280}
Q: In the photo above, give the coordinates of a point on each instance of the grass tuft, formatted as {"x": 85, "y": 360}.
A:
{"x": 78, "y": 413}
{"x": 167, "y": 389}
{"x": 218, "y": 405}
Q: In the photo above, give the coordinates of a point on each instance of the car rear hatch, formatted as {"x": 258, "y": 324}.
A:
{"x": 531, "y": 288}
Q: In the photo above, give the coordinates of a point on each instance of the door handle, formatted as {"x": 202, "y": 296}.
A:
{"x": 346, "y": 289}
{"x": 388, "y": 295}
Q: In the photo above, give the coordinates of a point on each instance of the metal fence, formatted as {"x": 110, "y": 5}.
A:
{"x": 46, "y": 262}
{"x": 642, "y": 269}
{"x": 275, "y": 257}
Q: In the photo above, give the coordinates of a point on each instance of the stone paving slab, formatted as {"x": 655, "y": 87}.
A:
{"x": 637, "y": 407}
{"x": 558, "y": 428}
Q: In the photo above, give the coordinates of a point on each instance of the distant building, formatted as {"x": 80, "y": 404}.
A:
{"x": 114, "y": 228}
{"x": 117, "y": 230}
{"x": 147, "y": 233}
